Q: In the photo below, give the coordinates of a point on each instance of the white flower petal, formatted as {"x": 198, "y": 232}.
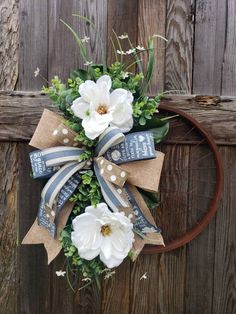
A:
{"x": 104, "y": 80}
{"x": 88, "y": 91}
{"x": 111, "y": 262}
{"x": 80, "y": 108}
{"x": 106, "y": 247}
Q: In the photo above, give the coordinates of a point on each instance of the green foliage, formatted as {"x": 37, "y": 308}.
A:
{"x": 90, "y": 270}
{"x": 144, "y": 110}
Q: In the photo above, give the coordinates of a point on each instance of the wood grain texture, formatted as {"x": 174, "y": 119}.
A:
{"x": 224, "y": 286}
{"x": 155, "y": 13}
{"x": 179, "y": 49}
{"x": 64, "y": 54}
{"x": 8, "y": 227}
{"x": 122, "y": 18}
{"x": 209, "y": 43}
{"x": 34, "y": 293}
{"x": 201, "y": 251}
{"x": 21, "y": 111}
{"x": 229, "y": 62}
{"x": 9, "y": 26}
{"x": 116, "y": 291}
{"x": 33, "y": 40}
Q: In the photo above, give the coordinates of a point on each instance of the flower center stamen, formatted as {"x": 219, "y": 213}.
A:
{"x": 102, "y": 109}
{"x": 105, "y": 230}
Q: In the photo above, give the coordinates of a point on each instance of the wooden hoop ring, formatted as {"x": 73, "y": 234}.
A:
{"x": 203, "y": 223}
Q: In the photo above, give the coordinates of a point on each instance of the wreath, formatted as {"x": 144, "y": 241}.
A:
{"x": 97, "y": 154}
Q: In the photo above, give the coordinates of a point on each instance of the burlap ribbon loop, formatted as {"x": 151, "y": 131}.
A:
{"x": 63, "y": 163}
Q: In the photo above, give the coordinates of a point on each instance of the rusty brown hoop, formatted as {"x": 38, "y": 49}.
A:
{"x": 202, "y": 224}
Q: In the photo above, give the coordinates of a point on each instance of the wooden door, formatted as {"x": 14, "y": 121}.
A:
{"x": 199, "y": 58}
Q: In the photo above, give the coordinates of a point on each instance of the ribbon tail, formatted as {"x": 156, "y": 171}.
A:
{"x": 61, "y": 186}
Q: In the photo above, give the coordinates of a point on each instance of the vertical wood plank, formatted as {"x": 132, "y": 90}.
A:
{"x": 224, "y": 289}
{"x": 151, "y": 20}
{"x": 34, "y": 274}
{"x": 8, "y": 227}
{"x": 115, "y": 297}
{"x": 64, "y": 54}
{"x": 163, "y": 290}
{"x": 9, "y": 25}
{"x": 62, "y": 296}
{"x": 88, "y": 300}
{"x": 122, "y": 18}
{"x": 179, "y": 50}
{"x": 33, "y": 43}
{"x": 210, "y": 26}
{"x": 229, "y": 62}
{"x": 200, "y": 251}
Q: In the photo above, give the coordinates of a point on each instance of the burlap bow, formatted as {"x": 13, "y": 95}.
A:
{"x": 54, "y": 207}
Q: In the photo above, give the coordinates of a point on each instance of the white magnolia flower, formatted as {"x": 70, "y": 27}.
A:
{"x": 36, "y": 72}
{"x": 101, "y": 232}
{"x": 87, "y": 63}
{"x": 60, "y": 273}
{"x": 98, "y": 108}
{"x": 123, "y": 36}
{"x": 140, "y": 48}
{"x": 85, "y": 39}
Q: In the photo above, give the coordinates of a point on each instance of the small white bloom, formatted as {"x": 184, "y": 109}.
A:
{"x": 125, "y": 74}
{"x": 120, "y": 52}
{"x": 87, "y": 279}
{"x": 36, "y": 72}
{"x": 140, "y": 48}
{"x": 130, "y": 51}
{"x": 123, "y": 36}
{"x": 159, "y": 36}
{"x": 60, "y": 273}
{"x": 87, "y": 63}
{"x": 85, "y": 39}
{"x": 144, "y": 276}
{"x": 109, "y": 274}
{"x": 98, "y": 108}
{"x": 101, "y": 232}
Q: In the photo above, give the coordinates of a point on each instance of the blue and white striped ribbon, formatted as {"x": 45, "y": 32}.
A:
{"x": 110, "y": 193}
{"x": 110, "y": 137}
{"x": 60, "y": 155}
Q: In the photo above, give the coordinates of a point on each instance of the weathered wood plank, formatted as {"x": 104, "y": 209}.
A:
{"x": 229, "y": 62}
{"x": 224, "y": 286}
{"x": 33, "y": 41}
{"x": 164, "y": 288}
{"x": 151, "y": 20}
{"x": 116, "y": 291}
{"x": 20, "y": 113}
{"x": 122, "y": 18}
{"x": 179, "y": 49}
{"x": 8, "y": 227}
{"x": 209, "y": 44}
{"x": 64, "y": 54}
{"x": 201, "y": 251}
{"x": 34, "y": 293}
{"x": 9, "y": 12}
